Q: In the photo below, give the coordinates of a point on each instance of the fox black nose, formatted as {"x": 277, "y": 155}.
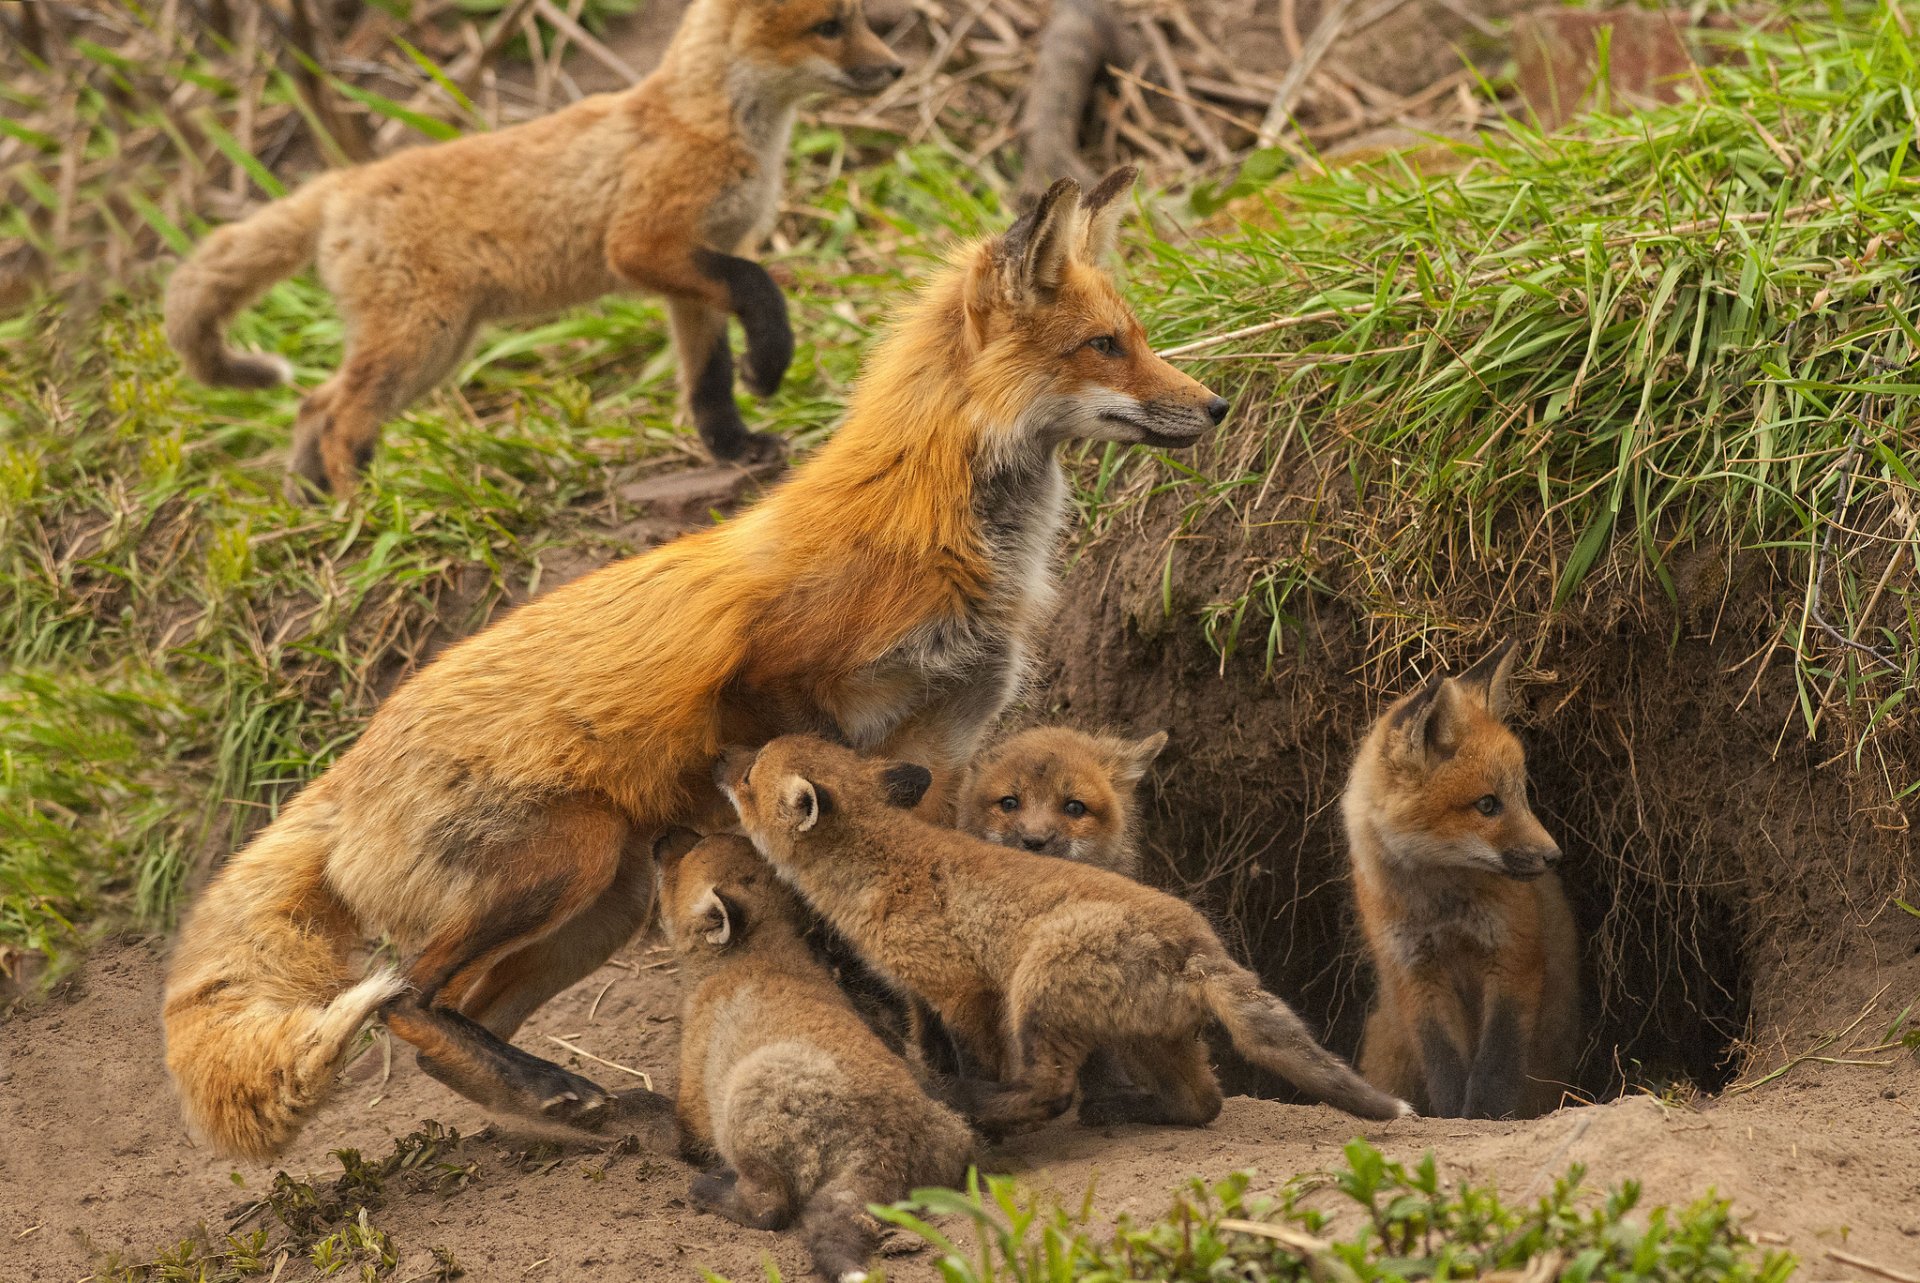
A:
{"x": 1552, "y": 855}
{"x": 875, "y": 78}
{"x": 1033, "y": 843}
{"x": 1218, "y": 407}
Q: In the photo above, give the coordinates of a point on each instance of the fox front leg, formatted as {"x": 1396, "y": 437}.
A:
{"x": 754, "y": 297}
{"x": 1499, "y": 1070}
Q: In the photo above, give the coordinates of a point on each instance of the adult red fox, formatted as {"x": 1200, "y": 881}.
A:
{"x": 495, "y": 819}
{"x": 1032, "y": 962}
{"x": 658, "y": 188}
{"x": 1478, "y": 1013}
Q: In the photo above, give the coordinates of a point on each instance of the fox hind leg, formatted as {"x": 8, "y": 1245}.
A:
{"x": 754, "y": 1195}
{"x": 1172, "y": 1084}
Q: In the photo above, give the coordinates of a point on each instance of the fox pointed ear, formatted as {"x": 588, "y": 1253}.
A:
{"x": 1035, "y": 250}
{"x": 906, "y": 783}
{"x": 1491, "y": 679}
{"x": 1105, "y": 206}
{"x": 1428, "y": 725}
{"x": 802, "y": 802}
{"x": 673, "y": 842}
{"x": 1134, "y": 758}
{"x": 715, "y": 918}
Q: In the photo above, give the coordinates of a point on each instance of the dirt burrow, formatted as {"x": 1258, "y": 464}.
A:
{"x": 93, "y": 1160}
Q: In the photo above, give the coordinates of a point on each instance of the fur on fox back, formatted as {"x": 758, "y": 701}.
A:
{"x": 864, "y": 589}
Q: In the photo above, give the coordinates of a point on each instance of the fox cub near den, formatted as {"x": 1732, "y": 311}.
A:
{"x": 496, "y": 818}
{"x": 1478, "y": 1010}
{"x": 809, "y": 1114}
{"x": 658, "y": 188}
{"x": 1043, "y": 958}
{"x": 1054, "y": 790}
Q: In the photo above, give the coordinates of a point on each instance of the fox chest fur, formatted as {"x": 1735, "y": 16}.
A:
{"x": 973, "y": 653}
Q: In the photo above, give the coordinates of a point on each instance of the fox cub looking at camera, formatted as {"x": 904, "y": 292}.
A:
{"x": 1478, "y": 1010}
{"x": 1054, "y": 790}
{"x": 1043, "y": 958}
{"x": 809, "y": 1113}
{"x": 657, "y": 188}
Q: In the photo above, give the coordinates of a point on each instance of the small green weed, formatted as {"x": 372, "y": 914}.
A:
{"x": 1390, "y": 1224}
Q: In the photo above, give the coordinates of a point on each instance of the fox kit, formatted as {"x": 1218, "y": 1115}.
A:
{"x": 496, "y": 818}
{"x": 1478, "y": 1007}
{"x": 1053, "y": 790}
{"x": 809, "y": 1113}
{"x": 1044, "y": 958}
{"x": 658, "y": 188}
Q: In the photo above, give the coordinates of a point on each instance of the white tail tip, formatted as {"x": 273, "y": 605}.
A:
{"x": 1407, "y": 1111}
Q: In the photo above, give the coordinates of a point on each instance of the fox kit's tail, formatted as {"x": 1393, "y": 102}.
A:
{"x": 260, "y": 1003}
{"x": 840, "y": 1233}
{"x": 230, "y": 269}
{"x": 1265, "y": 1031}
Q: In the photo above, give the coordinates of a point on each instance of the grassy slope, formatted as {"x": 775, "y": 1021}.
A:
{"x": 1577, "y": 356}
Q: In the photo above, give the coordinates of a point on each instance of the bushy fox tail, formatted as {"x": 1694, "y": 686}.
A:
{"x": 260, "y": 1003}
{"x": 1266, "y": 1031}
{"x": 231, "y": 268}
{"x": 840, "y": 1233}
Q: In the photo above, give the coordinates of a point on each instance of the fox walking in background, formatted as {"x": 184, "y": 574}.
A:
{"x": 810, "y": 1114}
{"x": 1478, "y": 1010}
{"x": 658, "y": 189}
{"x": 496, "y": 818}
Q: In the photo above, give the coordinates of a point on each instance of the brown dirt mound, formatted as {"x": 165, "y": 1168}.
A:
{"x": 93, "y": 1162}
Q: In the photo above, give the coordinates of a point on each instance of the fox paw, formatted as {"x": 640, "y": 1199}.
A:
{"x": 766, "y": 364}
{"x": 749, "y": 449}
{"x": 1117, "y": 1107}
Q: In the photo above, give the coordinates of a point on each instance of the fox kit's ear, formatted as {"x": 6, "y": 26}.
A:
{"x": 673, "y": 843}
{"x": 1036, "y": 249}
{"x": 715, "y": 918}
{"x": 1429, "y": 725}
{"x": 801, "y": 803}
{"x": 906, "y": 783}
{"x": 1105, "y": 206}
{"x": 1491, "y": 680}
{"x": 1136, "y": 757}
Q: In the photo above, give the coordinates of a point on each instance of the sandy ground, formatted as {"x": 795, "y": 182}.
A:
{"x": 93, "y": 1160}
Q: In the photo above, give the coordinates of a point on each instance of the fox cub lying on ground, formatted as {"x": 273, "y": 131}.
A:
{"x": 657, "y": 188}
{"x": 1043, "y": 958}
{"x": 1478, "y": 1013}
{"x": 1054, "y": 790}
{"x": 779, "y": 1078}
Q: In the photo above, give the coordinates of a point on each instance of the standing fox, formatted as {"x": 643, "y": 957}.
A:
{"x": 1053, "y": 790}
{"x": 1479, "y": 1008}
{"x": 779, "y": 1077}
{"x": 1030, "y": 961}
{"x": 496, "y": 817}
{"x": 657, "y": 188}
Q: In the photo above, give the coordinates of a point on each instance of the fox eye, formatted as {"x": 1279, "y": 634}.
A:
{"x": 1105, "y": 345}
{"x": 1009, "y": 803}
{"x": 1075, "y": 807}
{"x": 1488, "y": 805}
{"x": 830, "y": 29}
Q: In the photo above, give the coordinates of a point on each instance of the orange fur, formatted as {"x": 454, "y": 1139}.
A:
{"x": 1054, "y": 790}
{"x": 1471, "y": 936}
{"x": 892, "y": 588}
{"x": 617, "y": 191}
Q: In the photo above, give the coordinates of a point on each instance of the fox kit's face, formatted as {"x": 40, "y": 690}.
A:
{"x": 1453, "y": 788}
{"x": 797, "y": 48}
{"x": 713, "y": 890}
{"x": 794, "y": 793}
{"x": 1057, "y": 791}
{"x": 1058, "y": 354}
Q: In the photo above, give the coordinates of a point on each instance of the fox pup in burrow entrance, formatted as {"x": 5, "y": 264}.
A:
{"x": 496, "y": 818}
{"x": 1478, "y": 1010}
{"x": 1057, "y": 791}
{"x": 658, "y": 188}
{"x": 779, "y": 1077}
{"x": 1031, "y": 962}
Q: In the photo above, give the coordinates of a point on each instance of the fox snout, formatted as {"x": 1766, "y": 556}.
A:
{"x": 731, "y": 768}
{"x": 1525, "y": 863}
{"x": 869, "y": 65}
{"x": 1039, "y": 842}
{"x": 871, "y": 78}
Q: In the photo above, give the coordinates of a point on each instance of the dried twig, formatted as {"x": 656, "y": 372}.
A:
{"x": 1325, "y": 32}
{"x": 646, "y": 1079}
